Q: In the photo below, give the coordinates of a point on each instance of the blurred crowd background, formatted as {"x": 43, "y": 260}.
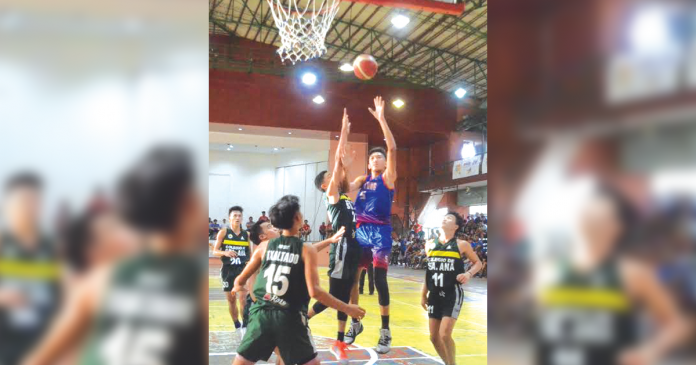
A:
{"x": 88, "y": 90}
{"x": 586, "y": 97}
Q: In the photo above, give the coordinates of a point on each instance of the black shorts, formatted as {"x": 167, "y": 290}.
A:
{"x": 446, "y": 302}
{"x": 227, "y": 275}
{"x": 344, "y": 257}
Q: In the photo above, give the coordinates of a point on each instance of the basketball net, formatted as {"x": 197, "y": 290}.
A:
{"x": 303, "y": 29}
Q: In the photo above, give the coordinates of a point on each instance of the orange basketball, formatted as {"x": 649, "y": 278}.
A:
{"x": 365, "y": 67}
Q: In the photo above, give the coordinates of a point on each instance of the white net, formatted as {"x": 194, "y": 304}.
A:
{"x": 303, "y": 28}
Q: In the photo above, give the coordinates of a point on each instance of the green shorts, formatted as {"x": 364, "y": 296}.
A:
{"x": 262, "y": 336}
{"x": 227, "y": 275}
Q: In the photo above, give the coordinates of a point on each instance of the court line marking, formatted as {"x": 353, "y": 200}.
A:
{"x": 421, "y": 308}
{"x": 427, "y": 355}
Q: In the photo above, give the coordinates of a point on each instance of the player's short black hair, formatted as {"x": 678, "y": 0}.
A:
{"x": 320, "y": 180}
{"x": 377, "y": 149}
{"x": 255, "y": 232}
{"x": 25, "y": 179}
{"x": 458, "y": 219}
{"x": 235, "y": 208}
{"x": 152, "y": 193}
{"x": 283, "y": 212}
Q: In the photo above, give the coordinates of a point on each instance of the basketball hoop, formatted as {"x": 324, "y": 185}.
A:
{"x": 303, "y": 28}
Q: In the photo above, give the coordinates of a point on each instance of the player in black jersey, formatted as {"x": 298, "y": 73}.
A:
{"x": 344, "y": 256}
{"x": 232, "y": 247}
{"x": 588, "y": 312}
{"x": 443, "y": 291}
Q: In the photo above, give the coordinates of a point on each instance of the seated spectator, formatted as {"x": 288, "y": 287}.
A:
{"x": 322, "y": 231}
{"x": 305, "y": 231}
{"x": 249, "y": 224}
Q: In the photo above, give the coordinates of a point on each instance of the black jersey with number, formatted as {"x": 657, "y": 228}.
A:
{"x": 238, "y": 243}
{"x": 342, "y": 214}
{"x": 444, "y": 264}
{"x": 585, "y": 319}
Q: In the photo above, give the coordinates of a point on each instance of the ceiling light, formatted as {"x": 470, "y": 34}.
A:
{"x": 318, "y": 99}
{"x": 398, "y": 103}
{"x": 468, "y": 150}
{"x": 275, "y": 149}
{"x": 289, "y": 132}
{"x": 240, "y": 129}
{"x": 346, "y": 67}
{"x": 400, "y": 21}
{"x": 309, "y": 78}
{"x": 460, "y": 93}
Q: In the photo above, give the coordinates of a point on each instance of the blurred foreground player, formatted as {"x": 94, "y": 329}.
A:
{"x": 29, "y": 271}
{"x": 151, "y": 308}
{"x": 589, "y": 311}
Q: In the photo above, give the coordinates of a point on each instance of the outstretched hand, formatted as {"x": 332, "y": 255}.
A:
{"x": 346, "y": 157}
{"x": 345, "y": 123}
{"x": 378, "y": 112}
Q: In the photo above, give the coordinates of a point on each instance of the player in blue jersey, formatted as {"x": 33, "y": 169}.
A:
{"x": 373, "y": 211}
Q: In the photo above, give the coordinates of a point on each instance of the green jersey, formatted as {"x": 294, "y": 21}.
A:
{"x": 238, "y": 243}
{"x": 344, "y": 255}
{"x": 281, "y": 282}
{"x": 150, "y": 314}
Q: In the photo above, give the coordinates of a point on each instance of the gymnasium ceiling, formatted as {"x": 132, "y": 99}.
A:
{"x": 434, "y": 50}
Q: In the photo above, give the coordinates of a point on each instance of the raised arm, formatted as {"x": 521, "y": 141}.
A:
{"x": 309, "y": 255}
{"x": 333, "y": 239}
{"x": 337, "y": 175}
{"x": 378, "y": 113}
{"x": 466, "y": 250}
{"x": 357, "y": 183}
{"x": 251, "y": 268}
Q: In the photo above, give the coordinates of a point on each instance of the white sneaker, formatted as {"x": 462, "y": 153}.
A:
{"x": 384, "y": 344}
{"x": 353, "y": 332}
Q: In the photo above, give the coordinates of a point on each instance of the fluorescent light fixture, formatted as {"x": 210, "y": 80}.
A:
{"x": 460, "y": 93}
{"x": 346, "y": 67}
{"x": 240, "y": 129}
{"x": 289, "y": 132}
{"x": 400, "y": 21}
{"x": 649, "y": 31}
{"x": 309, "y": 78}
{"x": 468, "y": 150}
{"x": 318, "y": 99}
{"x": 398, "y": 103}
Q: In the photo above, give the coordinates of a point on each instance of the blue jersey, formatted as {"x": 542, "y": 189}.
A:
{"x": 374, "y": 201}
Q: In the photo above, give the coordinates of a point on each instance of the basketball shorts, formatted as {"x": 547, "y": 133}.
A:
{"x": 344, "y": 257}
{"x": 446, "y": 302}
{"x": 262, "y": 336}
{"x": 377, "y": 239}
{"x": 378, "y": 257}
{"x": 227, "y": 275}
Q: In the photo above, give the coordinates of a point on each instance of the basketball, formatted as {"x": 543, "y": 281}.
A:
{"x": 365, "y": 67}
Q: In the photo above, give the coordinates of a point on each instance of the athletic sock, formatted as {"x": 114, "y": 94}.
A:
{"x": 355, "y": 320}
{"x": 237, "y": 324}
{"x": 385, "y": 322}
{"x": 341, "y": 336}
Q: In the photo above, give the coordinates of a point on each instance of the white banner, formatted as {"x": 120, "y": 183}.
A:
{"x": 467, "y": 167}
{"x": 484, "y": 164}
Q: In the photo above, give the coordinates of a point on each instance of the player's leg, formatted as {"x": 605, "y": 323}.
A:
{"x": 452, "y": 305}
{"x": 362, "y": 279}
{"x": 342, "y": 289}
{"x": 445, "y": 334}
{"x": 434, "y": 325}
{"x": 356, "y": 326}
{"x": 371, "y": 278}
{"x": 227, "y": 276}
{"x": 382, "y": 249}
